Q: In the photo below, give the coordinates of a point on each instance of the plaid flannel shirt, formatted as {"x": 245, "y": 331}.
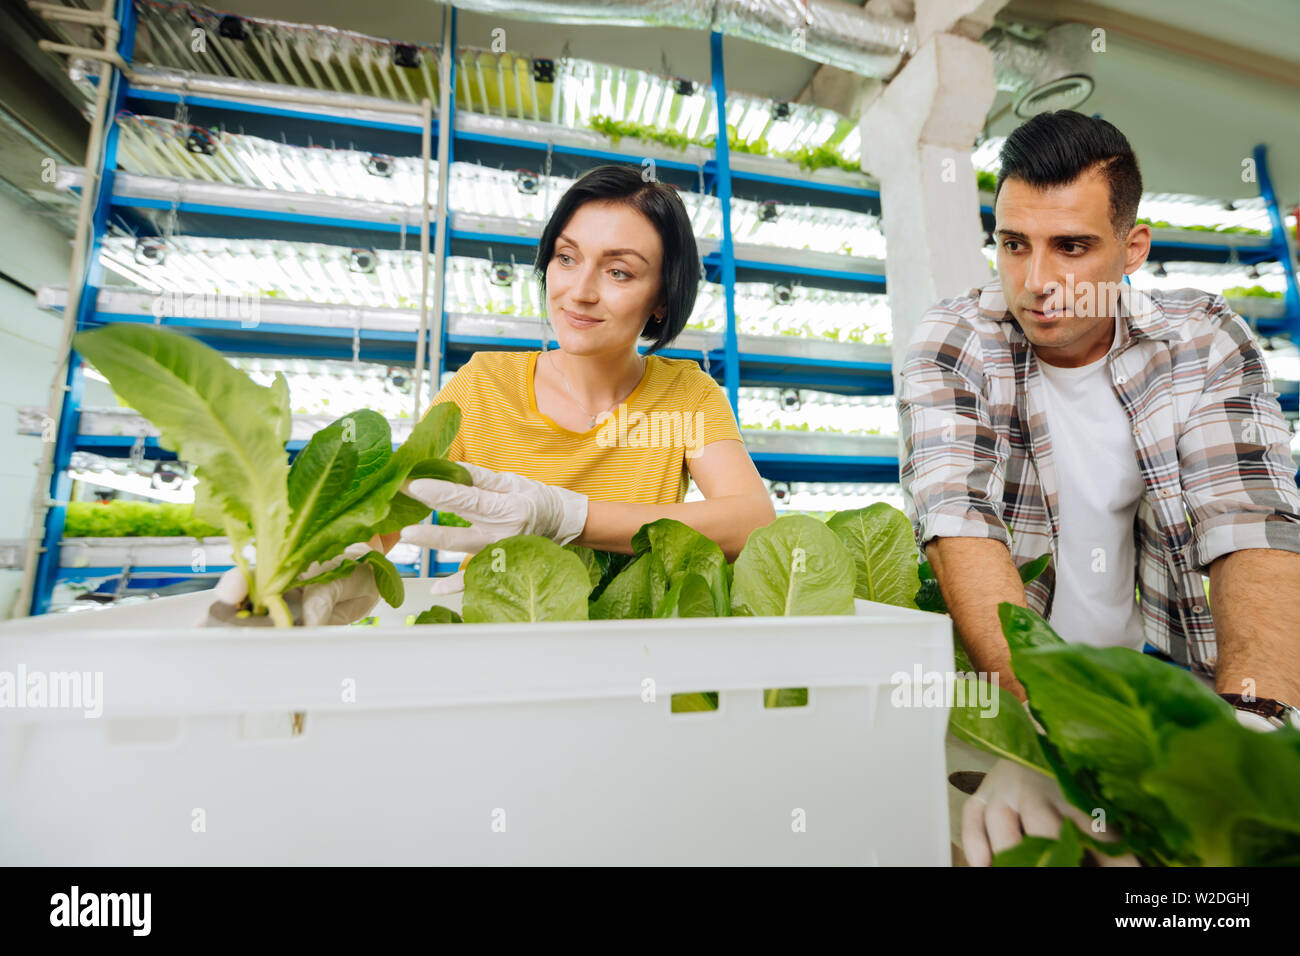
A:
{"x": 1212, "y": 446}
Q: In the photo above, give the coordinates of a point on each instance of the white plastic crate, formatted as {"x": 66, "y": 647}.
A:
{"x": 474, "y": 744}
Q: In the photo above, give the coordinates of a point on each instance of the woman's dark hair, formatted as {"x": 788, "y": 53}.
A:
{"x": 1053, "y": 149}
{"x": 664, "y": 208}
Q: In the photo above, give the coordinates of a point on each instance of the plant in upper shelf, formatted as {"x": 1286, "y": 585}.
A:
{"x": 343, "y": 487}
{"x": 1224, "y": 230}
{"x": 757, "y": 147}
{"x": 821, "y": 157}
{"x": 986, "y": 181}
{"x": 1250, "y": 292}
{"x": 134, "y": 519}
{"x": 617, "y": 129}
{"x": 810, "y": 158}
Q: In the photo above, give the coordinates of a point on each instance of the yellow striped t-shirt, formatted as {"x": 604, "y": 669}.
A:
{"x": 638, "y": 454}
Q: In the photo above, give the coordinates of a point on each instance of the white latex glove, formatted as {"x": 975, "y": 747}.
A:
{"x": 1013, "y": 799}
{"x": 340, "y": 601}
{"x": 500, "y": 504}
{"x": 448, "y": 583}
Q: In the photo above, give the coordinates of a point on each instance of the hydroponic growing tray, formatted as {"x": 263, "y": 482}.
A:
{"x": 478, "y": 743}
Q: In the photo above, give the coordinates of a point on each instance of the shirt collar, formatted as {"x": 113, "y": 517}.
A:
{"x": 1142, "y": 316}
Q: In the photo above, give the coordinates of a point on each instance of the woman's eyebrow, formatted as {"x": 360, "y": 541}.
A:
{"x": 623, "y": 252}
{"x": 608, "y": 252}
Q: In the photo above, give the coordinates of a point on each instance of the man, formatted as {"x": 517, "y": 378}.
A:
{"x": 1135, "y": 437}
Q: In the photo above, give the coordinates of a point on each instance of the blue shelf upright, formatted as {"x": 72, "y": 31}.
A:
{"x": 731, "y": 348}
{"x": 1279, "y": 244}
{"x": 60, "y": 488}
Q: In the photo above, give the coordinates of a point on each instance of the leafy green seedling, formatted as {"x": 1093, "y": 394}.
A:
{"x": 343, "y": 488}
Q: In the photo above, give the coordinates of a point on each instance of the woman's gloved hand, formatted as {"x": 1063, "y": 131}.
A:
{"x": 1014, "y": 802}
{"x": 340, "y": 601}
{"x": 500, "y": 504}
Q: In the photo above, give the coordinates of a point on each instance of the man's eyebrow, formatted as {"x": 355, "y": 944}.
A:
{"x": 1076, "y": 237}
{"x": 608, "y": 252}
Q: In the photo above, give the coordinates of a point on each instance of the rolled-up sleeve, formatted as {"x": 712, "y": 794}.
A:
{"x": 953, "y": 461}
{"x": 1234, "y": 454}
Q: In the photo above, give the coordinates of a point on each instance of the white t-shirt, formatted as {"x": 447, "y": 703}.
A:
{"x": 1099, "y": 487}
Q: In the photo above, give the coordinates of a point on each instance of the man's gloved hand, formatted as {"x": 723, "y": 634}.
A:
{"x": 340, "y": 601}
{"x": 500, "y": 504}
{"x": 1013, "y": 799}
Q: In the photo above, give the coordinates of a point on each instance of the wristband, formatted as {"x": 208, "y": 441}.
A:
{"x": 1275, "y": 712}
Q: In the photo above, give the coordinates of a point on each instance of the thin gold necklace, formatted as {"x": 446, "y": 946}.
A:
{"x": 591, "y": 423}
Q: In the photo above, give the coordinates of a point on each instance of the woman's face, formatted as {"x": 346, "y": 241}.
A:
{"x": 603, "y": 281}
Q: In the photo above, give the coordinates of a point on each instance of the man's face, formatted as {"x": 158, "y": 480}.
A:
{"x": 1062, "y": 265}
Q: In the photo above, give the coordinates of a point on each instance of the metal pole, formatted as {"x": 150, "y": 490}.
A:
{"x": 425, "y": 135}
{"x": 433, "y": 338}
{"x": 208, "y": 86}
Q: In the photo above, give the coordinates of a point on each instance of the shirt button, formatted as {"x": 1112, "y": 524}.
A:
{"x": 1120, "y": 379}
{"x": 1198, "y": 609}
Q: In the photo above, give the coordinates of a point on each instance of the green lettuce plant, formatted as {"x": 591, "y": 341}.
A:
{"x": 129, "y": 519}
{"x": 1203, "y": 227}
{"x": 1158, "y": 753}
{"x": 343, "y": 487}
{"x": 797, "y": 565}
{"x": 811, "y": 158}
{"x": 1250, "y": 292}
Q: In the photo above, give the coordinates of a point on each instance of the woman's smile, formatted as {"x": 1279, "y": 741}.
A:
{"x": 580, "y": 321}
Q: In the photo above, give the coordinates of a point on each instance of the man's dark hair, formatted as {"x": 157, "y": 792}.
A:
{"x": 667, "y": 213}
{"x": 1053, "y": 149}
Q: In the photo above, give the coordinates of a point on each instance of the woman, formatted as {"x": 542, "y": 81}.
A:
{"x": 586, "y": 443}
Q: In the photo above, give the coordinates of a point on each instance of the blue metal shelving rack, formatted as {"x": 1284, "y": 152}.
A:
{"x": 301, "y": 126}
{"x": 304, "y": 125}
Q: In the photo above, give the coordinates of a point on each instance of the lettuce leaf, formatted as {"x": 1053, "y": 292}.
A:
{"x": 525, "y": 578}
{"x": 343, "y": 488}
{"x": 232, "y": 430}
{"x": 1158, "y": 751}
{"x": 795, "y": 565}
{"x": 880, "y": 539}
{"x": 682, "y": 550}
{"x": 437, "y": 615}
{"x": 635, "y": 592}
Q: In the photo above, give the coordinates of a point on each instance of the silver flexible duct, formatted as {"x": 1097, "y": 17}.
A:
{"x": 828, "y": 31}
{"x": 1032, "y": 68}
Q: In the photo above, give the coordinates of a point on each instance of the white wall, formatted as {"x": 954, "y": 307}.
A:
{"x": 34, "y": 252}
